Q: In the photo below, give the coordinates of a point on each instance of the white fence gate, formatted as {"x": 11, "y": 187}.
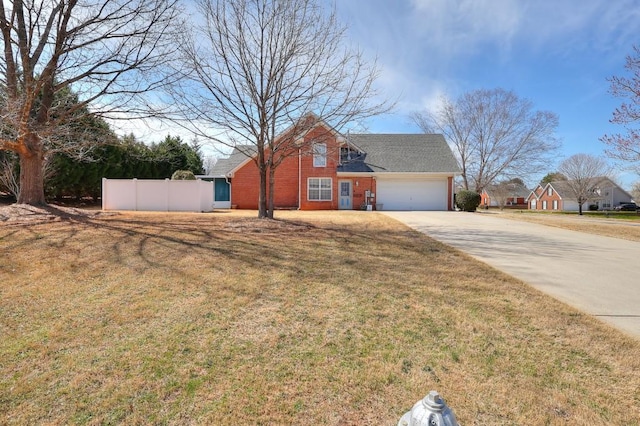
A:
{"x": 157, "y": 195}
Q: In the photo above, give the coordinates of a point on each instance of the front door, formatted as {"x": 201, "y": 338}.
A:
{"x": 345, "y": 195}
{"x": 221, "y": 194}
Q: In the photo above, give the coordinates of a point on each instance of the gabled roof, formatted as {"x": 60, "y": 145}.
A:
{"x": 564, "y": 187}
{"x": 560, "y": 187}
{"x": 401, "y": 153}
{"x": 240, "y": 155}
{"x": 515, "y": 190}
{"x": 380, "y": 153}
{"x": 534, "y": 192}
{"x": 305, "y": 124}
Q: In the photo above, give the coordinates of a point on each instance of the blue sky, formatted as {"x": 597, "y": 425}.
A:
{"x": 556, "y": 53}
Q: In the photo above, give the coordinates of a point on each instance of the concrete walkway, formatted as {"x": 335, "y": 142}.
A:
{"x": 598, "y": 275}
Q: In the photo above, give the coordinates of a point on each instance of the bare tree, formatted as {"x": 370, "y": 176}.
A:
{"x": 62, "y": 57}
{"x": 584, "y": 174}
{"x": 208, "y": 162}
{"x": 626, "y": 147}
{"x": 9, "y": 175}
{"x": 505, "y": 190}
{"x": 552, "y": 177}
{"x": 494, "y": 134}
{"x": 635, "y": 192}
{"x": 263, "y": 73}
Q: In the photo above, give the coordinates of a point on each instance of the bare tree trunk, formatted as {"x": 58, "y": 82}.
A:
{"x": 580, "y": 206}
{"x": 31, "y": 173}
{"x": 272, "y": 184}
{"x": 262, "y": 198}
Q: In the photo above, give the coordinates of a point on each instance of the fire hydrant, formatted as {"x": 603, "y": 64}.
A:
{"x": 430, "y": 411}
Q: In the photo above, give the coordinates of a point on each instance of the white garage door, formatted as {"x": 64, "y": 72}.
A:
{"x": 405, "y": 194}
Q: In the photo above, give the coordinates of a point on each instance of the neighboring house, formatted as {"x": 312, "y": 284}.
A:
{"x": 510, "y": 194}
{"x": 363, "y": 171}
{"x": 534, "y": 196}
{"x": 605, "y": 195}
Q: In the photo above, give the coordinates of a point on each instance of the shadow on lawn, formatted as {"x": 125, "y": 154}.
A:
{"x": 159, "y": 240}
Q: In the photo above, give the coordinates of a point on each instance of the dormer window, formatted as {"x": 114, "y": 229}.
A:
{"x": 345, "y": 155}
{"x": 319, "y": 155}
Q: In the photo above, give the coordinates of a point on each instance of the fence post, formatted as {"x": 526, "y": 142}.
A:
{"x": 168, "y": 189}
{"x": 135, "y": 193}
{"x": 104, "y": 191}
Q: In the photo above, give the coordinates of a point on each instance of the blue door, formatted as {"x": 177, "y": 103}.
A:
{"x": 221, "y": 190}
{"x": 345, "y": 195}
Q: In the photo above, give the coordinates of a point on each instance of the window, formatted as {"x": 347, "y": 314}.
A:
{"x": 319, "y": 155}
{"x": 549, "y": 191}
{"x": 319, "y": 189}
{"x": 544, "y": 204}
{"x": 345, "y": 155}
{"x": 345, "y": 189}
{"x": 555, "y": 204}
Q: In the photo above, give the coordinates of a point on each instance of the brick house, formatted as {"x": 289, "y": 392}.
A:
{"x": 325, "y": 170}
{"x": 510, "y": 195}
{"x": 605, "y": 195}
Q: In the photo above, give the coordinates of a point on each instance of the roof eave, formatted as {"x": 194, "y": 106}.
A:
{"x": 396, "y": 174}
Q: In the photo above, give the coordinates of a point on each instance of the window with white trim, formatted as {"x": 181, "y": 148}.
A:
{"x": 544, "y": 204}
{"x": 319, "y": 189}
{"x": 555, "y": 204}
{"x": 549, "y": 191}
{"x": 319, "y": 155}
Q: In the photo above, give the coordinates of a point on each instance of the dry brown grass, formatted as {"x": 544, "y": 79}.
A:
{"x": 625, "y": 226}
{"x": 317, "y": 318}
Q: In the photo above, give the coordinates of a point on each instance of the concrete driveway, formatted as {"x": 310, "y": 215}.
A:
{"x": 598, "y": 275}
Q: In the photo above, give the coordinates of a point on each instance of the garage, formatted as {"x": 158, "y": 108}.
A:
{"x": 412, "y": 194}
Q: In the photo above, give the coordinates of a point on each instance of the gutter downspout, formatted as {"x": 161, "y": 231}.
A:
{"x": 226, "y": 179}
{"x": 299, "y": 177}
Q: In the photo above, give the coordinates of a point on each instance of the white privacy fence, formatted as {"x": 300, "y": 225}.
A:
{"x": 157, "y": 195}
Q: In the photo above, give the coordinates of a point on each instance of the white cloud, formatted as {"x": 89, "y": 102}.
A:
{"x": 422, "y": 44}
{"x": 154, "y": 130}
{"x": 460, "y": 26}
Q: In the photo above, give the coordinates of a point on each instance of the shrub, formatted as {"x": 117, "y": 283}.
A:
{"x": 183, "y": 175}
{"x": 468, "y": 201}
{"x": 593, "y": 207}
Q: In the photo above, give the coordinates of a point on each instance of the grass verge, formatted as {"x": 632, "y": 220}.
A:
{"x": 622, "y": 225}
{"x": 336, "y": 318}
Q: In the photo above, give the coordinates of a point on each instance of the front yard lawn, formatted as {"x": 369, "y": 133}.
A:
{"x": 624, "y": 225}
{"x": 334, "y": 318}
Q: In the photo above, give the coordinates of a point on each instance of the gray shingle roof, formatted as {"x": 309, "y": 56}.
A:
{"x": 237, "y": 157}
{"x": 382, "y": 153}
{"x": 563, "y": 187}
{"x": 401, "y": 153}
{"x": 514, "y": 190}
